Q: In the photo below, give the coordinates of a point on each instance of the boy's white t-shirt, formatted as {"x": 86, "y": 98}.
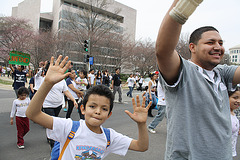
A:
{"x": 19, "y": 107}
{"x": 55, "y": 96}
{"x": 235, "y": 129}
{"x": 87, "y": 144}
{"x": 92, "y": 77}
{"x": 81, "y": 86}
{"x": 130, "y": 81}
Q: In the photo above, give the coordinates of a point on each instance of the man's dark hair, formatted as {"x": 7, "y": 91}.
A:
{"x": 90, "y": 70}
{"x": 22, "y": 67}
{"x": 100, "y": 90}
{"x": 197, "y": 34}
{"x": 23, "y": 90}
{"x": 116, "y": 69}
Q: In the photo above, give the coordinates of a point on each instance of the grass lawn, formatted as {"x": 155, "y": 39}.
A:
{"x": 5, "y": 82}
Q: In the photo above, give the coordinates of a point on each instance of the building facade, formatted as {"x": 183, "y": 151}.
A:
{"x": 106, "y": 56}
{"x": 234, "y": 54}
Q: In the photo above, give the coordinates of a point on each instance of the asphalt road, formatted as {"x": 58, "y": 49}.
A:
{"x": 37, "y": 148}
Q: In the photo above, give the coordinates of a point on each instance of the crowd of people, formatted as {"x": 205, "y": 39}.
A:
{"x": 66, "y": 94}
{"x": 198, "y": 97}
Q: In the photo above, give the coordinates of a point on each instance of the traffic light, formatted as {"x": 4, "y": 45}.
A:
{"x": 86, "y": 58}
{"x": 86, "y": 45}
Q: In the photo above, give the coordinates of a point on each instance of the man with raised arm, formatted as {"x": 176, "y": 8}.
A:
{"x": 196, "y": 90}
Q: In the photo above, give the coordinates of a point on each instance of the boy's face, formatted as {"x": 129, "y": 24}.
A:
{"x": 96, "y": 112}
{"x": 22, "y": 96}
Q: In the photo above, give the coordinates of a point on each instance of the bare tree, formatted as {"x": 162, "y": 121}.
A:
{"x": 183, "y": 46}
{"x": 143, "y": 58}
{"x": 15, "y": 34}
{"x": 43, "y": 46}
{"x": 93, "y": 22}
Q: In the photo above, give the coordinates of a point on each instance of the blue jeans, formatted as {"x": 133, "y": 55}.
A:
{"x": 159, "y": 117}
{"x": 154, "y": 100}
{"x": 130, "y": 91}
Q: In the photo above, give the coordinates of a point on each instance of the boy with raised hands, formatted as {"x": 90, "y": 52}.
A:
{"x": 89, "y": 140}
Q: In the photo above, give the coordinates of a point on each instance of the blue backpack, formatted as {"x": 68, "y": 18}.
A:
{"x": 55, "y": 150}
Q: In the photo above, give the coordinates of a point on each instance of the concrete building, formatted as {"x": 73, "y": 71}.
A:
{"x": 56, "y": 21}
{"x": 234, "y": 54}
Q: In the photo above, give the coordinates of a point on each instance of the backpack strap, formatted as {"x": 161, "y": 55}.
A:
{"x": 71, "y": 135}
{"x": 107, "y": 133}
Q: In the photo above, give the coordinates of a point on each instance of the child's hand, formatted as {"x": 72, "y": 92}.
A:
{"x": 140, "y": 113}
{"x": 11, "y": 121}
{"x": 56, "y": 72}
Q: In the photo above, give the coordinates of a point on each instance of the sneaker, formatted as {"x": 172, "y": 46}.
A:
{"x": 20, "y": 146}
{"x": 151, "y": 130}
{"x": 65, "y": 109}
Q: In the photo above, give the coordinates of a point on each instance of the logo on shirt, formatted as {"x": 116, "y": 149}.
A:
{"x": 89, "y": 153}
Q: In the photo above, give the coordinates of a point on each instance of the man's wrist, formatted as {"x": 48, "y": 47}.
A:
{"x": 184, "y": 9}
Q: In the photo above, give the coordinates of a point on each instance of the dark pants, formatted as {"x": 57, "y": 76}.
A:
{"x": 140, "y": 86}
{"x": 70, "y": 108}
{"x": 53, "y": 111}
{"x": 22, "y": 124}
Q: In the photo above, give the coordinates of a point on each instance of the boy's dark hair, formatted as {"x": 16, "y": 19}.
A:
{"x": 116, "y": 69}
{"x": 90, "y": 70}
{"x": 84, "y": 73}
{"x": 23, "y": 90}
{"x": 100, "y": 90}
{"x": 230, "y": 93}
{"x": 197, "y": 34}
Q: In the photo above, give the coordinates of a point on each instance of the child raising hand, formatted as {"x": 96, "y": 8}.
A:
{"x": 97, "y": 107}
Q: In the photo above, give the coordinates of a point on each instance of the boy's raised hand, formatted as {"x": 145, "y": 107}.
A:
{"x": 56, "y": 72}
{"x": 140, "y": 113}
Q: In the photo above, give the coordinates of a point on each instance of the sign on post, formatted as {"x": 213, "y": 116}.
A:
{"x": 19, "y": 58}
{"x": 91, "y": 60}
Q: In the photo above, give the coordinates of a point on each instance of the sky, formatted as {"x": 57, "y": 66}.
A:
{"x": 223, "y": 15}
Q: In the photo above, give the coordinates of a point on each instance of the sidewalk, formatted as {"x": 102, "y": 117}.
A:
{"x": 9, "y": 87}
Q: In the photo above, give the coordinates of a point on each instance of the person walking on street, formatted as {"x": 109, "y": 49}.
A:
{"x": 106, "y": 79}
{"x": 75, "y": 92}
{"x": 91, "y": 77}
{"x": 98, "y": 78}
{"x": 196, "y": 90}
{"x": 161, "y": 105}
{"x": 116, "y": 84}
{"x": 20, "y": 77}
{"x": 150, "y": 94}
{"x": 19, "y": 108}
{"x": 130, "y": 81}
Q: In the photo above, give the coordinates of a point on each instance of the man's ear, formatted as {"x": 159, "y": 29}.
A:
{"x": 109, "y": 115}
{"x": 82, "y": 109}
{"x": 192, "y": 47}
